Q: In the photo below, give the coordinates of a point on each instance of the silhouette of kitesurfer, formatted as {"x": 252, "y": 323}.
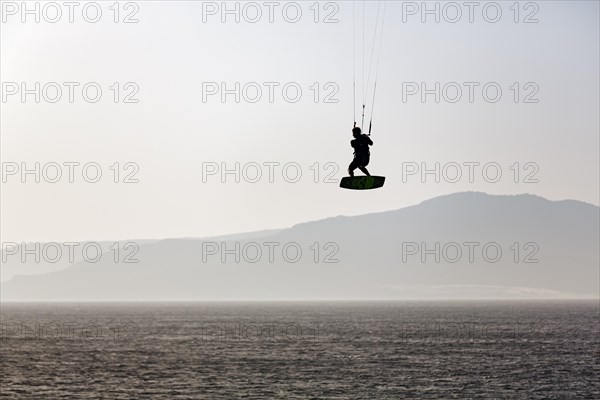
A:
{"x": 362, "y": 155}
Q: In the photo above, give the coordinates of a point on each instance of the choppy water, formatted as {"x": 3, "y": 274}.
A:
{"x": 428, "y": 350}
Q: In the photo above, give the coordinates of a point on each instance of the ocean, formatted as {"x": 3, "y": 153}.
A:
{"x": 294, "y": 350}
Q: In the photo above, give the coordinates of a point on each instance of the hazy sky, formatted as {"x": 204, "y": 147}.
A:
{"x": 178, "y": 50}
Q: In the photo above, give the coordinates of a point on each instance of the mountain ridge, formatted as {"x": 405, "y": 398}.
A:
{"x": 372, "y": 257}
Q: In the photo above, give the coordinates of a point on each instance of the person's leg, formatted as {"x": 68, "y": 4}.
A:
{"x": 353, "y": 165}
{"x": 364, "y": 161}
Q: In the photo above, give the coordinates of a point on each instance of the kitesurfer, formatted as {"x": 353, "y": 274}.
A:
{"x": 362, "y": 154}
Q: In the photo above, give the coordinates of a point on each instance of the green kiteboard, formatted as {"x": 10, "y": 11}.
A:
{"x": 362, "y": 182}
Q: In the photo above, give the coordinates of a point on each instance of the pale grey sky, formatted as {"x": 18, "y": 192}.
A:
{"x": 171, "y": 132}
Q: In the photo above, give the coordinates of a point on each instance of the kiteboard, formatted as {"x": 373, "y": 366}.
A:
{"x": 362, "y": 182}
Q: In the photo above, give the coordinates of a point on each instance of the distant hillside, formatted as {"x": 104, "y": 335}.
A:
{"x": 389, "y": 255}
{"x": 14, "y": 264}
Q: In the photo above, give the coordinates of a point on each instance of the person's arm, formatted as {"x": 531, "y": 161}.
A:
{"x": 369, "y": 141}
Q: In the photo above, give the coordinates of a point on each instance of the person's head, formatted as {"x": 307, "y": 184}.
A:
{"x": 356, "y": 131}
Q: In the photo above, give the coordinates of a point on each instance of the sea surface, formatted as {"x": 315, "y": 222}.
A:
{"x": 337, "y": 350}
